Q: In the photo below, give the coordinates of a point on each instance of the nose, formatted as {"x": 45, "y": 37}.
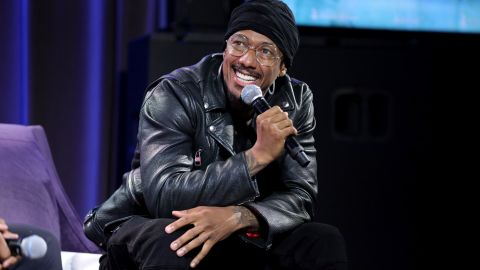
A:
{"x": 249, "y": 58}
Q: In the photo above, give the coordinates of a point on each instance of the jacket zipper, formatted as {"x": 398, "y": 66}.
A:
{"x": 198, "y": 157}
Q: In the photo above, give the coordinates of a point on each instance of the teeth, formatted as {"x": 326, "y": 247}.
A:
{"x": 245, "y": 77}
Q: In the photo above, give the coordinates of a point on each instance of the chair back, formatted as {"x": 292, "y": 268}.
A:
{"x": 31, "y": 191}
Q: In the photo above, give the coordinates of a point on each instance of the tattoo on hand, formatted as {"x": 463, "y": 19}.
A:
{"x": 246, "y": 218}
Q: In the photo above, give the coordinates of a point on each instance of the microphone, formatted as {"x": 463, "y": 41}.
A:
{"x": 252, "y": 95}
{"x": 32, "y": 247}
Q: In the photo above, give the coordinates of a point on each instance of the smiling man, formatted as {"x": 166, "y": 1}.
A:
{"x": 250, "y": 58}
{"x": 219, "y": 189}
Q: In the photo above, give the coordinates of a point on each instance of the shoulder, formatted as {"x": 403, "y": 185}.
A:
{"x": 291, "y": 94}
{"x": 300, "y": 89}
{"x": 187, "y": 81}
{"x": 202, "y": 70}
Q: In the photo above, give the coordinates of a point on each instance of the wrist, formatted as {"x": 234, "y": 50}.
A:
{"x": 255, "y": 161}
{"x": 261, "y": 158}
{"x": 246, "y": 219}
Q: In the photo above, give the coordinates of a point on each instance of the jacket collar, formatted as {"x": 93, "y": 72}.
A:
{"x": 216, "y": 98}
{"x": 220, "y": 124}
{"x": 219, "y": 121}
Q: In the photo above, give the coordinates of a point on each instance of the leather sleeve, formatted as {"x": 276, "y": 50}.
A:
{"x": 293, "y": 203}
{"x": 167, "y": 128}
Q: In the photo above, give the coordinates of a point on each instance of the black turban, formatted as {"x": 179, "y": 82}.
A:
{"x": 271, "y": 18}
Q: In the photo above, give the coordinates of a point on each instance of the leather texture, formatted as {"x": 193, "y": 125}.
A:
{"x": 186, "y": 158}
{"x": 126, "y": 201}
{"x": 186, "y": 113}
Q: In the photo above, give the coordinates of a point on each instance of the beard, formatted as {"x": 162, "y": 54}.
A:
{"x": 239, "y": 109}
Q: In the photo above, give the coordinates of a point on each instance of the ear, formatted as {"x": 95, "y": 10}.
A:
{"x": 283, "y": 71}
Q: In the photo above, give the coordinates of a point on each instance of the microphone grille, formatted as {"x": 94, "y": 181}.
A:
{"x": 250, "y": 93}
{"x": 33, "y": 247}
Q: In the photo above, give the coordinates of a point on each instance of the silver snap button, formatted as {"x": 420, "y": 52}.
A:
{"x": 205, "y": 105}
{"x": 212, "y": 128}
{"x": 286, "y": 104}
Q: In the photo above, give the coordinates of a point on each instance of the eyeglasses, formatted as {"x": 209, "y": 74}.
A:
{"x": 266, "y": 54}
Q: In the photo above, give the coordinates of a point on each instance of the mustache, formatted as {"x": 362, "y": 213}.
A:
{"x": 248, "y": 70}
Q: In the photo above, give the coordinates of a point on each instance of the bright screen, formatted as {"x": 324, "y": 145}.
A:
{"x": 412, "y": 15}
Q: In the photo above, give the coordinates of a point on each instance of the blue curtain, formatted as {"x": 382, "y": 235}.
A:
{"x": 62, "y": 66}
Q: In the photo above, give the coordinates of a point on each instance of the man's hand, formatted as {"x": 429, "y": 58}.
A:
{"x": 211, "y": 225}
{"x": 273, "y": 128}
{"x": 6, "y": 258}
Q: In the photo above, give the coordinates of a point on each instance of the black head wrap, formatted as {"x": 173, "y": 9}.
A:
{"x": 271, "y": 18}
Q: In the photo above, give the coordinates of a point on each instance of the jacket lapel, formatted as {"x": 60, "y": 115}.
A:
{"x": 221, "y": 129}
{"x": 219, "y": 121}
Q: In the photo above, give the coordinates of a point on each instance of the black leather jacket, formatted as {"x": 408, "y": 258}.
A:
{"x": 187, "y": 158}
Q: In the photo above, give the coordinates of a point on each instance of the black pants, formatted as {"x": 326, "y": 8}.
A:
{"x": 52, "y": 259}
{"x": 142, "y": 243}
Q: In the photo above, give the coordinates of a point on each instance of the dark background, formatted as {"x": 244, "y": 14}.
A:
{"x": 80, "y": 71}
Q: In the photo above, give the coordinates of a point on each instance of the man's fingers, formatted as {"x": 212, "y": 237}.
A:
{"x": 272, "y": 111}
{"x": 287, "y": 129}
{"x": 196, "y": 242}
{"x": 280, "y": 120}
{"x": 9, "y": 261}
{"x": 207, "y": 246}
{"x": 10, "y": 235}
{"x": 180, "y": 213}
{"x": 284, "y": 127}
{"x": 177, "y": 224}
{"x": 3, "y": 227}
{"x": 279, "y": 117}
{"x": 284, "y": 123}
{"x": 4, "y": 250}
{"x": 185, "y": 238}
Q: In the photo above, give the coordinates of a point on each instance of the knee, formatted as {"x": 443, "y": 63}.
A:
{"x": 142, "y": 231}
{"x": 327, "y": 231}
{"x": 141, "y": 243}
{"x": 320, "y": 230}
{"x": 324, "y": 235}
{"x": 327, "y": 240}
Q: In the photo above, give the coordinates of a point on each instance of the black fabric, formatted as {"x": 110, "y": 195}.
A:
{"x": 271, "y": 18}
{"x": 52, "y": 259}
{"x": 142, "y": 243}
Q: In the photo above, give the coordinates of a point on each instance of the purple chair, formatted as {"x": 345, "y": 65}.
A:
{"x": 31, "y": 191}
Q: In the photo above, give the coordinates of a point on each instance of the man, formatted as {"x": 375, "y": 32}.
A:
{"x": 220, "y": 190}
{"x": 51, "y": 260}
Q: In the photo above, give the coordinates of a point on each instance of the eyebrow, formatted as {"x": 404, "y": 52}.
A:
{"x": 268, "y": 43}
{"x": 261, "y": 43}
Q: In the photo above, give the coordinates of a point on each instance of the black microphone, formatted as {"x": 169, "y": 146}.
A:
{"x": 252, "y": 95}
{"x": 32, "y": 247}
